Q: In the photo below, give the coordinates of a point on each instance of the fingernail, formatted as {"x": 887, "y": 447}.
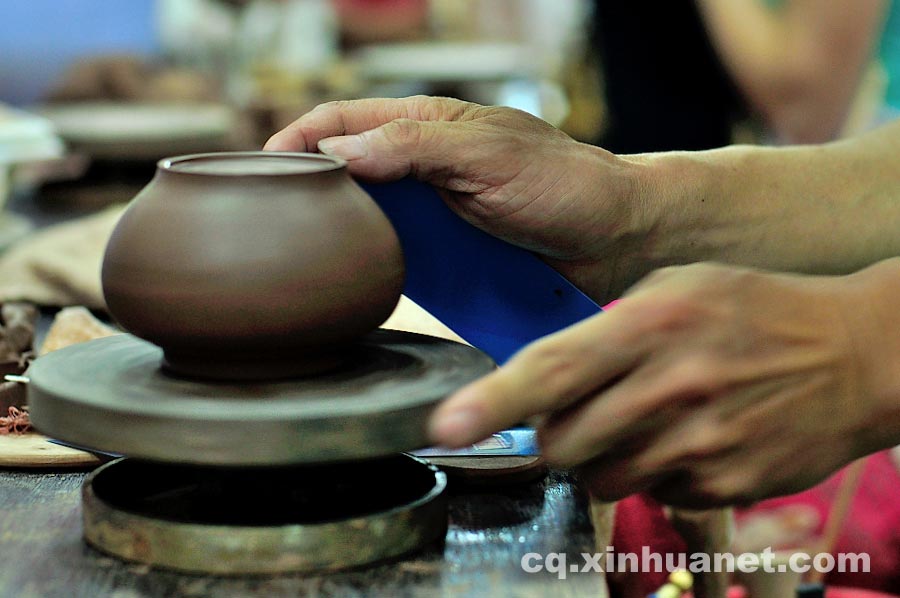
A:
{"x": 453, "y": 426}
{"x": 350, "y": 147}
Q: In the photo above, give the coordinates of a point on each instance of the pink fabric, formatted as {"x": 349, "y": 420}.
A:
{"x": 838, "y": 592}
{"x": 640, "y": 522}
{"x": 873, "y": 526}
{"x": 830, "y": 592}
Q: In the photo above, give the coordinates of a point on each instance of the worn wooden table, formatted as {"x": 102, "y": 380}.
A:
{"x": 42, "y": 554}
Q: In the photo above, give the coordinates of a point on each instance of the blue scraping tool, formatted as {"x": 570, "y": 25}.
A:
{"x": 496, "y": 296}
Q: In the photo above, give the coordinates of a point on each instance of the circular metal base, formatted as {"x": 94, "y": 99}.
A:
{"x": 110, "y": 394}
{"x": 240, "y": 521}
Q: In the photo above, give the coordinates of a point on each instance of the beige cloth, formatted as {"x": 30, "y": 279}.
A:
{"x": 411, "y": 317}
{"x": 59, "y": 265}
{"x": 74, "y": 325}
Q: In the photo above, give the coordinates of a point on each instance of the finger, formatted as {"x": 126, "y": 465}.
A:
{"x": 693, "y": 438}
{"x": 546, "y": 376}
{"x": 335, "y": 119}
{"x": 640, "y": 406}
{"x": 435, "y": 152}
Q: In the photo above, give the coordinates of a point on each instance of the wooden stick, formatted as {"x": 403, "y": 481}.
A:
{"x": 706, "y": 532}
{"x": 603, "y": 515}
{"x": 838, "y": 513}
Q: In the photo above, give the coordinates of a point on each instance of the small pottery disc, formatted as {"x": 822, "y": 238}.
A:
{"x": 240, "y": 521}
{"x": 110, "y": 394}
{"x": 32, "y": 450}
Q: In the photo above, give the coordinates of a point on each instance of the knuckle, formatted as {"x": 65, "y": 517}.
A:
{"x": 426, "y": 106}
{"x": 403, "y": 132}
{"x": 332, "y": 106}
{"x": 706, "y": 441}
{"x": 695, "y": 376}
{"x": 708, "y": 278}
{"x": 668, "y": 314}
{"x": 427, "y": 101}
{"x": 554, "y": 363}
{"x": 438, "y": 107}
{"x": 709, "y": 296}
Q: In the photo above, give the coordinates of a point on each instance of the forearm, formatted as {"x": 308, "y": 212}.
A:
{"x": 826, "y": 209}
{"x": 749, "y": 36}
{"x": 798, "y": 65}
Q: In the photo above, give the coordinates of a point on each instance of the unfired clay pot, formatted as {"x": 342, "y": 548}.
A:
{"x": 250, "y": 265}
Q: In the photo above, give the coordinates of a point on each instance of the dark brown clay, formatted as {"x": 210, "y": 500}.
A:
{"x": 247, "y": 265}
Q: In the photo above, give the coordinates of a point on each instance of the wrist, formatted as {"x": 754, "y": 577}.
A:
{"x": 872, "y": 312}
{"x": 647, "y": 212}
{"x": 613, "y": 228}
{"x": 677, "y": 199}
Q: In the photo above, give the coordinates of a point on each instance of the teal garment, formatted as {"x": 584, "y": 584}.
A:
{"x": 889, "y": 54}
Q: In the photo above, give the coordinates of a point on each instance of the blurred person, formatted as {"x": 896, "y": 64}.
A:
{"x": 676, "y": 78}
{"x": 815, "y": 70}
{"x": 683, "y": 74}
{"x": 709, "y": 383}
{"x": 665, "y": 87}
{"x": 800, "y": 63}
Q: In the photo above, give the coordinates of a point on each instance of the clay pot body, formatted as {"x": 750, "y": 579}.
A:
{"x": 252, "y": 264}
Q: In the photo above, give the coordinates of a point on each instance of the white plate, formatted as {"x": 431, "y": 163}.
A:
{"x": 25, "y": 137}
{"x": 446, "y": 61}
{"x": 122, "y": 130}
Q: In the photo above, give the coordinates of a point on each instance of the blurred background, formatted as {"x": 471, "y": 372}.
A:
{"x": 93, "y": 92}
{"x": 129, "y": 82}
{"x": 253, "y": 66}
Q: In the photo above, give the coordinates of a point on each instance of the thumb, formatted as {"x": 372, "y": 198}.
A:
{"x": 430, "y": 151}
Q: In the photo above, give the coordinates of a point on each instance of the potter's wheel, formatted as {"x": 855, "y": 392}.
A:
{"x": 110, "y": 394}
{"x": 252, "y": 477}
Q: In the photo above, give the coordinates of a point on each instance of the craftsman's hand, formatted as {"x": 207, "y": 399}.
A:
{"x": 507, "y": 172}
{"x": 705, "y": 385}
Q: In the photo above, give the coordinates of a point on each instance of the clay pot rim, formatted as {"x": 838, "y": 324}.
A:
{"x": 327, "y": 163}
